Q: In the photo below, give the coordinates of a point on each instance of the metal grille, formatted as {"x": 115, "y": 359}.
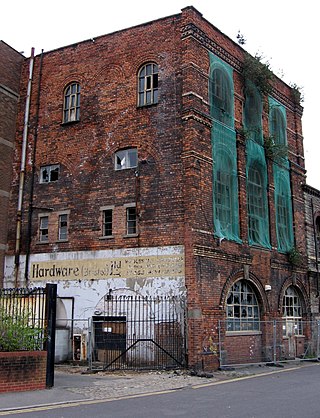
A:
{"x": 139, "y": 333}
{"x": 22, "y": 319}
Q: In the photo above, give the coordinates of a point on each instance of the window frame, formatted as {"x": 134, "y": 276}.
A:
{"x": 292, "y": 303}
{"x": 221, "y": 96}
{"x": 223, "y": 192}
{"x": 103, "y": 211}
{"x": 71, "y": 103}
{"x": 256, "y": 200}
{"x": 278, "y": 126}
{"x": 42, "y": 228}
{"x": 130, "y": 222}
{"x": 124, "y": 155}
{"x": 236, "y": 321}
{"x": 148, "y": 84}
{"x": 50, "y": 168}
{"x": 65, "y": 235}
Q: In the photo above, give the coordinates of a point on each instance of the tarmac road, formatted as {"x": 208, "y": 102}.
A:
{"x": 272, "y": 392}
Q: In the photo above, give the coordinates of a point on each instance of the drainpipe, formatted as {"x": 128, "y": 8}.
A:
{"x": 29, "y": 230}
{"x": 315, "y": 245}
{"x": 22, "y": 171}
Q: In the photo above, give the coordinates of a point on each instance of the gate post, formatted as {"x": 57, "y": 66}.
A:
{"x": 51, "y": 310}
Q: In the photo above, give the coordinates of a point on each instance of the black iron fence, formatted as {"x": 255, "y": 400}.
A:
{"x": 274, "y": 341}
{"x": 138, "y": 333}
{"x": 22, "y": 319}
{"x": 28, "y": 322}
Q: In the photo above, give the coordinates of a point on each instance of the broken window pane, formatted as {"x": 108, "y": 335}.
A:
{"x": 241, "y": 305}
{"x": 49, "y": 173}
{"x": 44, "y": 229}
{"x": 126, "y": 159}
{"x": 148, "y": 85}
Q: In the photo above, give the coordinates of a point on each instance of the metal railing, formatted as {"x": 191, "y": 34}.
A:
{"x": 139, "y": 333}
{"x": 22, "y": 319}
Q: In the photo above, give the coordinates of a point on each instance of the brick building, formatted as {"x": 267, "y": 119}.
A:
{"x": 179, "y": 172}
{"x": 10, "y": 69}
{"x": 312, "y": 210}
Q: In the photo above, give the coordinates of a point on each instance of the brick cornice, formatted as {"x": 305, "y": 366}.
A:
{"x": 191, "y": 30}
{"x": 208, "y": 252}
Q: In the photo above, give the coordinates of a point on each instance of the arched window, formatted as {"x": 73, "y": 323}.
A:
{"x": 242, "y": 308}
{"x": 221, "y": 96}
{"x": 71, "y": 106}
{"x": 278, "y": 126}
{"x": 253, "y": 113}
{"x": 257, "y": 209}
{"x": 148, "y": 84}
{"x": 292, "y": 313}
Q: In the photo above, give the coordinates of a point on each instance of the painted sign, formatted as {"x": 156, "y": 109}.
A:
{"x": 105, "y": 268}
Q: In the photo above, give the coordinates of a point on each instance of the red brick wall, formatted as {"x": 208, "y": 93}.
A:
{"x": 173, "y": 192}
{"x": 10, "y": 68}
{"x": 21, "y": 371}
{"x": 243, "y": 349}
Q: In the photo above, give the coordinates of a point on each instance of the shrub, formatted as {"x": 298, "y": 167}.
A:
{"x": 16, "y": 334}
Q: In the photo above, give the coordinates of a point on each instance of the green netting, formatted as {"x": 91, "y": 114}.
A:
{"x": 277, "y": 122}
{"x": 257, "y": 201}
{"x": 221, "y": 92}
{"x": 281, "y": 175}
{"x": 224, "y": 152}
{"x": 253, "y": 113}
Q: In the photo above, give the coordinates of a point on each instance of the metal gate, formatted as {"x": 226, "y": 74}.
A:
{"x": 139, "y": 333}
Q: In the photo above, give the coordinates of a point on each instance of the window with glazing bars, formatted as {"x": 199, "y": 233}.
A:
{"x": 44, "y": 228}
{"x": 282, "y": 211}
{"x": 253, "y": 113}
{"x": 221, "y": 96}
{"x": 242, "y": 308}
{"x": 71, "y": 108}
{"x": 107, "y": 216}
{"x": 278, "y": 126}
{"x": 131, "y": 220}
{"x": 148, "y": 85}
{"x": 256, "y": 207}
{"x": 223, "y": 197}
{"x": 63, "y": 227}
{"x": 292, "y": 313}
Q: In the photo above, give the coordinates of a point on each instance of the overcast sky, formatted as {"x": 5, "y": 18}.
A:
{"x": 284, "y": 31}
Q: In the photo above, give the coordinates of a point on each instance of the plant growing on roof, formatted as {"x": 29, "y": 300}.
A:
{"x": 257, "y": 72}
{"x": 297, "y": 94}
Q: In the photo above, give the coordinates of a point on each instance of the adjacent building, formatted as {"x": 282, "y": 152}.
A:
{"x": 158, "y": 163}
{"x": 10, "y": 69}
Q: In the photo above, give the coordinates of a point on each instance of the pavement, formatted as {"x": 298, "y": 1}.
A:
{"x": 73, "y": 384}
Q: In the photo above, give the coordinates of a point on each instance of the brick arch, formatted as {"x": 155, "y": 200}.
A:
{"x": 301, "y": 290}
{"x": 147, "y": 152}
{"x": 255, "y": 283}
{"x": 145, "y": 59}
